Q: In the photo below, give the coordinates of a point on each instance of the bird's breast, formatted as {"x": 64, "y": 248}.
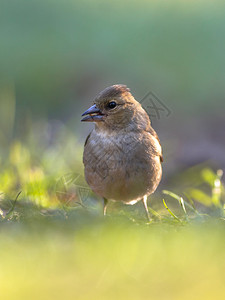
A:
{"x": 122, "y": 167}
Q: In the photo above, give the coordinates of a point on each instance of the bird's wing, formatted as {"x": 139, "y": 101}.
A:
{"x": 87, "y": 139}
{"x": 153, "y": 133}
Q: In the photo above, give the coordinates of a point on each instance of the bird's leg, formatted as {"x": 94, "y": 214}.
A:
{"x": 105, "y": 206}
{"x": 144, "y": 200}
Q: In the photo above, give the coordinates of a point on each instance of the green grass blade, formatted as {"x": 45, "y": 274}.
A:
{"x": 217, "y": 189}
{"x": 181, "y": 201}
{"x": 172, "y": 214}
{"x": 13, "y": 206}
{"x": 155, "y": 213}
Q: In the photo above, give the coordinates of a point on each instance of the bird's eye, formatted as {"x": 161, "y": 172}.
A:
{"x": 111, "y": 105}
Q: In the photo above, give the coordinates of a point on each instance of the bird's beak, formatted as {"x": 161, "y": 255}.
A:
{"x": 93, "y": 114}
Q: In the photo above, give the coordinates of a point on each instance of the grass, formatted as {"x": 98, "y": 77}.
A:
{"x": 54, "y": 241}
{"x": 86, "y": 257}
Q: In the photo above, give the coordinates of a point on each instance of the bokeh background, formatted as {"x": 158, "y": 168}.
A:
{"x": 55, "y": 57}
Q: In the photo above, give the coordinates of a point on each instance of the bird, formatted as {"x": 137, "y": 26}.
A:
{"x": 122, "y": 154}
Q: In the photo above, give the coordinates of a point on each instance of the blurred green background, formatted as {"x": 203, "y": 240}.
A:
{"x": 55, "y": 57}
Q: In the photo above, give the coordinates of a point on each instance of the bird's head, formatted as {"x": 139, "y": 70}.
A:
{"x": 116, "y": 108}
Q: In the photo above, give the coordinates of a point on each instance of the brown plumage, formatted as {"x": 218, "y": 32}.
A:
{"x": 122, "y": 155}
